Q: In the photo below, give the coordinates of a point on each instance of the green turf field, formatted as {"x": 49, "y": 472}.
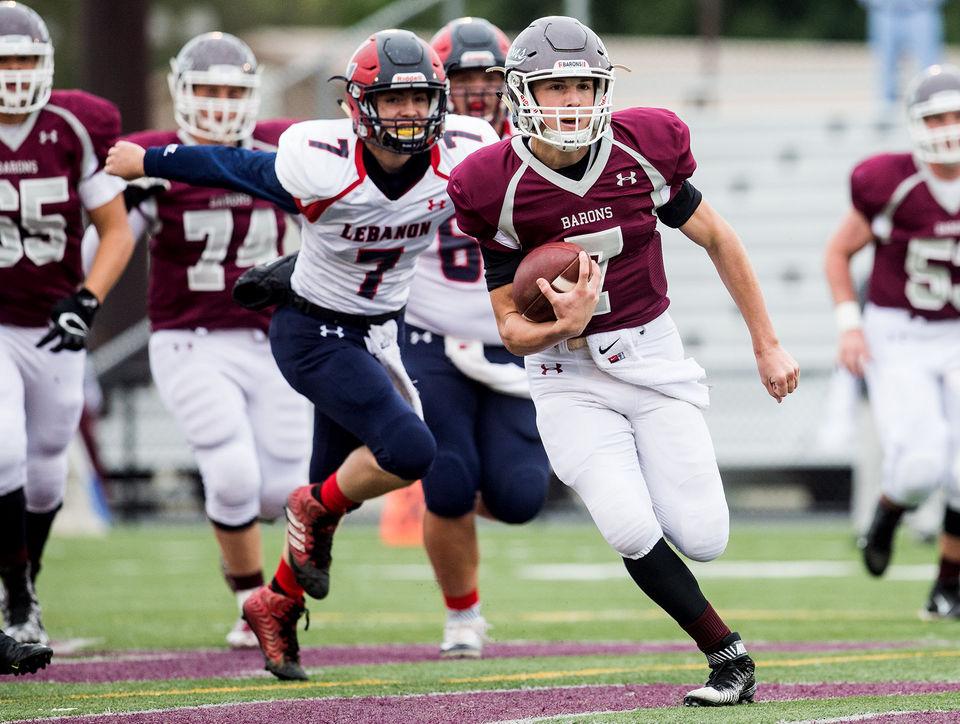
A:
{"x": 793, "y": 585}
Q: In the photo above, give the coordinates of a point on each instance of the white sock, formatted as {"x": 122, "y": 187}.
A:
{"x": 465, "y": 614}
{"x": 243, "y": 596}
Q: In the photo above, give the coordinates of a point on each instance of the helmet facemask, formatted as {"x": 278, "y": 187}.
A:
{"x": 400, "y": 135}
{"x": 222, "y": 120}
{"x": 529, "y": 116}
{"x": 935, "y": 91}
{"x": 215, "y": 60}
{"x": 475, "y": 100}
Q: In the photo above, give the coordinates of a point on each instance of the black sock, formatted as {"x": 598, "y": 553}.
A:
{"x": 38, "y": 530}
{"x": 669, "y": 583}
{"x": 13, "y": 529}
{"x": 886, "y": 518}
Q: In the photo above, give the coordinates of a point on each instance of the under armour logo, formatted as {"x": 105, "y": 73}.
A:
{"x": 170, "y": 148}
{"x": 554, "y": 368}
{"x": 50, "y": 136}
{"x": 326, "y": 332}
{"x": 416, "y": 337}
{"x": 622, "y": 179}
{"x": 436, "y": 204}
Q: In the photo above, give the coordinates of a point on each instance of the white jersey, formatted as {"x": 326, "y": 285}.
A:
{"x": 359, "y": 249}
{"x": 449, "y": 293}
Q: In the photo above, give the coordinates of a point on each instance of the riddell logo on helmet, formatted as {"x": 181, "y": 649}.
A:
{"x": 568, "y": 64}
{"x": 408, "y": 78}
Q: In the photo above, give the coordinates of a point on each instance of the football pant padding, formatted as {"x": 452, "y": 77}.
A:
{"x": 13, "y": 431}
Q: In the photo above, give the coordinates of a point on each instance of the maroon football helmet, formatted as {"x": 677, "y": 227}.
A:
{"x": 473, "y": 44}
{"x": 392, "y": 60}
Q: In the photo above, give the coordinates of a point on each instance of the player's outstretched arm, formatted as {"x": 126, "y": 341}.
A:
{"x": 237, "y": 169}
{"x": 851, "y": 236}
{"x": 573, "y": 310}
{"x": 779, "y": 371}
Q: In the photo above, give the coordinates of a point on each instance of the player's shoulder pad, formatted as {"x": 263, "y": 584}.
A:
{"x": 317, "y": 159}
{"x": 266, "y": 134}
{"x": 873, "y": 180}
{"x": 462, "y": 136}
{"x": 152, "y": 138}
{"x": 657, "y": 133}
{"x": 99, "y": 116}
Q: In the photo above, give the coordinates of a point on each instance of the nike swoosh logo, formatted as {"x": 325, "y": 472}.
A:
{"x": 604, "y": 350}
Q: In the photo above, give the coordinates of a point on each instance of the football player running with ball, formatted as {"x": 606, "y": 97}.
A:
{"x": 618, "y": 406}
{"x": 907, "y": 343}
{"x": 475, "y": 394}
{"x": 210, "y": 358}
{"x": 53, "y": 145}
{"x": 372, "y": 192}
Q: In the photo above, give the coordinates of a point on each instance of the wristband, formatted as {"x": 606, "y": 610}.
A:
{"x": 848, "y": 317}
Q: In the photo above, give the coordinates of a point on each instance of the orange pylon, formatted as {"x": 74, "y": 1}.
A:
{"x": 401, "y": 522}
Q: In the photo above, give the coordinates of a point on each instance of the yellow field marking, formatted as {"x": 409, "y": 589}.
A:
{"x": 233, "y": 689}
{"x": 617, "y": 614}
{"x": 767, "y": 664}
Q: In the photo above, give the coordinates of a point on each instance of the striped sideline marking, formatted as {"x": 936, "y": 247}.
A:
{"x": 501, "y": 678}
{"x": 575, "y": 718}
{"x": 404, "y": 708}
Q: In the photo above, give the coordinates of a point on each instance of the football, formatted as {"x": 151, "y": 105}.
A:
{"x": 557, "y": 262}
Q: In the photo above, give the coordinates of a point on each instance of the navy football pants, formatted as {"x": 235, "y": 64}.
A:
{"x": 355, "y": 402}
{"x": 486, "y": 441}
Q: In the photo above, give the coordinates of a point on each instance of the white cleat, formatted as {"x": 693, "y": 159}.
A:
{"x": 464, "y": 639}
{"x": 241, "y": 636}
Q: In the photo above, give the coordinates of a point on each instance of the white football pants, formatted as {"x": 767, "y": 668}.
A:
{"x": 250, "y": 432}
{"x": 913, "y": 380}
{"x": 642, "y": 462}
{"x": 41, "y": 398}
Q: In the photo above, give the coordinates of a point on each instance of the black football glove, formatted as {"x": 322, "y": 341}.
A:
{"x": 72, "y": 317}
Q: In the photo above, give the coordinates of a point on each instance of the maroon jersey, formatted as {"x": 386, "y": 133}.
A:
{"x": 50, "y": 171}
{"x": 915, "y": 264}
{"x": 510, "y": 201}
{"x": 203, "y": 239}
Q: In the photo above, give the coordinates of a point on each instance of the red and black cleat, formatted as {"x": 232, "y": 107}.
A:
{"x": 310, "y": 529}
{"x": 273, "y": 618}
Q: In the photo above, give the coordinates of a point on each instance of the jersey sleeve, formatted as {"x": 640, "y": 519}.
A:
{"x": 317, "y": 164}
{"x": 867, "y": 190}
{"x": 267, "y": 133}
{"x": 470, "y": 219}
{"x": 685, "y": 163}
{"x": 237, "y": 169}
{"x": 100, "y": 121}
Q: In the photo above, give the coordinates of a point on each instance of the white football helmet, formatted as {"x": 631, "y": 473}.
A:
{"x": 23, "y": 33}
{"x": 936, "y": 90}
{"x": 215, "y": 59}
{"x": 558, "y": 47}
